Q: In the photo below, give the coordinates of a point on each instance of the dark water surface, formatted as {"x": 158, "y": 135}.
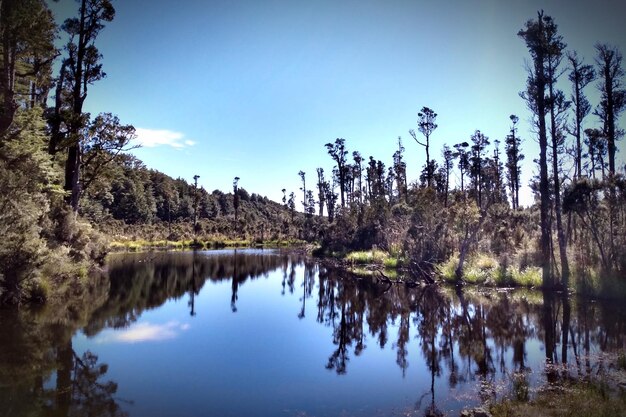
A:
{"x": 266, "y": 333}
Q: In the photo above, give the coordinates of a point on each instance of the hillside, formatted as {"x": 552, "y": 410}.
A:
{"x": 131, "y": 202}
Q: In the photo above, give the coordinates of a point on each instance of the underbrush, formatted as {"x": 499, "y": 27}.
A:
{"x": 485, "y": 269}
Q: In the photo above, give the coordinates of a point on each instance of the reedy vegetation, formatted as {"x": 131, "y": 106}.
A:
{"x": 62, "y": 171}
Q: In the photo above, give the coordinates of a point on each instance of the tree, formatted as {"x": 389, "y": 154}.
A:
{"x": 104, "y": 140}
{"x": 513, "y": 159}
{"x": 448, "y": 165}
{"x": 535, "y": 34}
{"x": 580, "y": 76}
{"x": 476, "y": 159}
{"x": 195, "y": 205}
{"x": 24, "y": 173}
{"x": 338, "y": 152}
{"x": 498, "y": 191}
{"x": 309, "y": 207}
{"x": 27, "y": 32}
{"x": 83, "y": 68}
{"x": 358, "y": 159}
{"x": 302, "y": 175}
{"x": 291, "y": 204}
{"x": 321, "y": 193}
{"x": 331, "y": 199}
{"x": 464, "y": 161}
{"x": 596, "y": 149}
{"x": 399, "y": 170}
{"x": 236, "y": 197}
{"x": 426, "y": 125}
{"x": 613, "y": 101}
{"x": 557, "y": 106}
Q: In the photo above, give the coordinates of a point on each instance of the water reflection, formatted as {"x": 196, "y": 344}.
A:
{"x": 40, "y": 372}
{"x": 144, "y": 332}
{"x": 145, "y": 281}
{"x": 456, "y": 346}
{"x": 472, "y": 337}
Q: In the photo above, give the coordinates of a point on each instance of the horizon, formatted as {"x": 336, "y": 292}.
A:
{"x": 224, "y": 90}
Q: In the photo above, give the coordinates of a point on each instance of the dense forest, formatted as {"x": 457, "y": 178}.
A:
{"x": 69, "y": 183}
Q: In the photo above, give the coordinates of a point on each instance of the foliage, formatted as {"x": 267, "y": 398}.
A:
{"x": 42, "y": 240}
{"x": 484, "y": 269}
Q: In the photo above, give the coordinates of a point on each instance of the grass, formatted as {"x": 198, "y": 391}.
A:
{"x": 374, "y": 257}
{"x": 572, "y": 399}
{"x": 486, "y": 270}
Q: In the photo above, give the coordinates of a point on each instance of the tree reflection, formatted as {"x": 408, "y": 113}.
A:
{"x": 144, "y": 281}
{"x": 40, "y": 372}
{"x": 465, "y": 337}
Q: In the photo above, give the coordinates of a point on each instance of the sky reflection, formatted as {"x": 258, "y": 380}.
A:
{"x": 144, "y": 332}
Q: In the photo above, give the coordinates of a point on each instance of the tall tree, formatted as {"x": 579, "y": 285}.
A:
{"x": 426, "y": 125}
{"x": 236, "y": 196}
{"x": 498, "y": 193}
{"x": 339, "y": 153}
{"x": 83, "y": 67}
{"x": 27, "y": 32}
{"x": 514, "y": 157}
{"x": 534, "y": 35}
{"x": 613, "y": 101}
{"x": 302, "y": 176}
{"x": 477, "y": 160}
{"x": 358, "y": 160}
{"x": 399, "y": 169}
{"x": 580, "y": 76}
{"x": 557, "y": 105}
{"x": 448, "y": 165}
{"x": 291, "y": 204}
{"x": 195, "y": 205}
{"x": 464, "y": 162}
{"x": 321, "y": 194}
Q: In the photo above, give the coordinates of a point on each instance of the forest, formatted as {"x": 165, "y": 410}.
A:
{"x": 71, "y": 187}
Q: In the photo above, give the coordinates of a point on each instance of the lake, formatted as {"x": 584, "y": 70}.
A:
{"x": 270, "y": 333}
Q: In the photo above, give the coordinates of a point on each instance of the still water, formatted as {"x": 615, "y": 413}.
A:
{"x": 268, "y": 333}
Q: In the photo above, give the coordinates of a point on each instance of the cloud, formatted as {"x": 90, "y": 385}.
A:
{"x": 151, "y": 138}
{"x": 145, "y": 332}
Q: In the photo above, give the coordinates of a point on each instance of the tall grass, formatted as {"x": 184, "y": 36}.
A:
{"x": 375, "y": 257}
{"x": 485, "y": 269}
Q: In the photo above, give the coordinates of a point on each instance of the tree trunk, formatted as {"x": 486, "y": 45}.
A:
{"x": 557, "y": 186}
{"x": 544, "y": 188}
{"x": 7, "y": 87}
{"x": 72, "y": 176}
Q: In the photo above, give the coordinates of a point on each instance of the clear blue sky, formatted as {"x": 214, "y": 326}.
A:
{"x": 256, "y": 88}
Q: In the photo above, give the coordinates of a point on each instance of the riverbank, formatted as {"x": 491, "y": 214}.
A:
{"x": 480, "y": 269}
